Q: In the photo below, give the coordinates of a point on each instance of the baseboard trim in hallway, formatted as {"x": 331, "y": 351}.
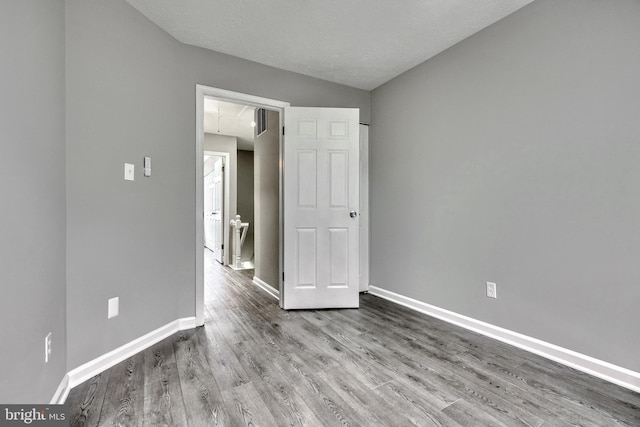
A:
{"x": 598, "y": 368}
{"x": 107, "y": 360}
{"x": 266, "y": 287}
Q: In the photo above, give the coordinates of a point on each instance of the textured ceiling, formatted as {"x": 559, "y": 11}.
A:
{"x": 359, "y": 43}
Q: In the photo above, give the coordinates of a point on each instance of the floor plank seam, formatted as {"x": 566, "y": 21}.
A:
{"x": 380, "y": 385}
{"x": 452, "y": 403}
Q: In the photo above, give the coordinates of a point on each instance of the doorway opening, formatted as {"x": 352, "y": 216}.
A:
{"x": 252, "y": 184}
{"x": 341, "y": 147}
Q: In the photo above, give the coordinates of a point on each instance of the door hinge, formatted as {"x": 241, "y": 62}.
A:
{"x": 222, "y": 246}
{"x": 283, "y": 276}
{"x": 282, "y": 130}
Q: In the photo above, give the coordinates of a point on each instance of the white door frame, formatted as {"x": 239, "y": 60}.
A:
{"x": 364, "y": 207}
{"x": 237, "y": 98}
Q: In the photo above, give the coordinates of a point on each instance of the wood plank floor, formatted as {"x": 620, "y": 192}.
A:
{"x": 382, "y": 365}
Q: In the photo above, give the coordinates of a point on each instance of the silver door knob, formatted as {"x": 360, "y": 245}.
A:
{"x": 353, "y": 214}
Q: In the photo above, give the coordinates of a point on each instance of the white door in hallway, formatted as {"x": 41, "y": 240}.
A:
{"x": 208, "y": 212}
{"x": 217, "y": 217}
{"x": 321, "y": 200}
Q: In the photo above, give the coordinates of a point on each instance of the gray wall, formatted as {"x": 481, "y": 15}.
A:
{"x": 130, "y": 94}
{"x": 267, "y": 202}
{"x": 32, "y": 187}
{"x": 245, "y": 199}
{"x": 515, "y": 154}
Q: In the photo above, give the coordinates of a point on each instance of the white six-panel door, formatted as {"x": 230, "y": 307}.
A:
{"x": 321, "y": 200}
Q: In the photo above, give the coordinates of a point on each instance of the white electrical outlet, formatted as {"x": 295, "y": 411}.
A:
{"x": 129, "y": 174}
{"x": 47, "y": 347}
{"x": 114, "y": 307}
{"x": 492, "y": 290}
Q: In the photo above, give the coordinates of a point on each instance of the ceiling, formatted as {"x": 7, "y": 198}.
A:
{"x": 359, "y": 43}
{"x": 224, "y": 118}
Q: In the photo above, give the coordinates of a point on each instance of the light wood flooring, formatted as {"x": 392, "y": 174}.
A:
{"x": 382, "y": 365}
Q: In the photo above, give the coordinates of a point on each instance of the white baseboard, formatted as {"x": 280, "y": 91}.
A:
{"x": 266, "y": 287}
{"x": 60, "y": 396}
{"x": 186, "y": 323}
{"x": 618, "y": 375}
{"x": 107, "y": 360}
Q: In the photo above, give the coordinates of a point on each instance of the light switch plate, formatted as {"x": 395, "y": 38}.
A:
{"x": 114, "y": 307}
{"x": 47, "y": 347}
{"x": 128, "y": 171}
{"x": 492, "y": 290}
{"x": 147, "y": 166}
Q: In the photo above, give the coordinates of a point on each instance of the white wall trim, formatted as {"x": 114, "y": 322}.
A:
{"x": 100, "y": 364}
{"x": 265, "y": 287}
{"x": 607, "y": 371}
{"x": 62, "y": 392}
{"x": 184, "y": 324}
{"x": 364, "y": 232}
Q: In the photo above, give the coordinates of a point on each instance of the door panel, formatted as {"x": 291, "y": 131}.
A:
{"x": 339, "y": 257}
{"x": 307, "y": 178}
{"x": 339, "y": 178}
{"x": 321, "y": 180}
{"x": 306, "y": 258}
